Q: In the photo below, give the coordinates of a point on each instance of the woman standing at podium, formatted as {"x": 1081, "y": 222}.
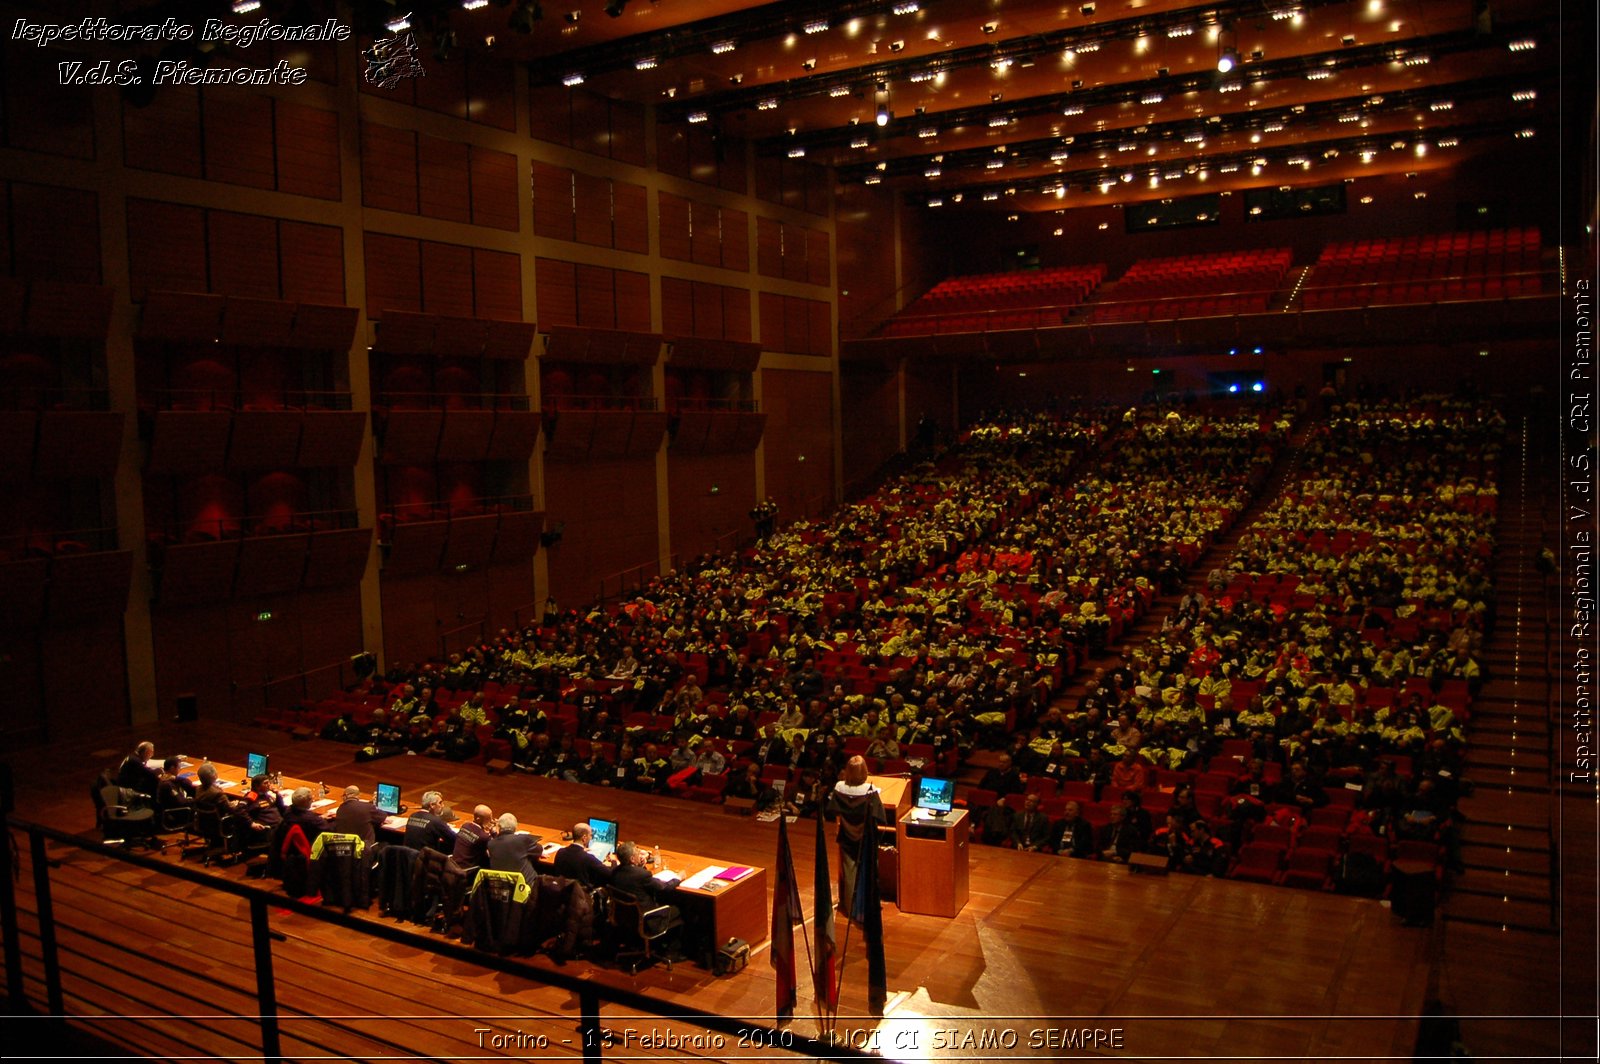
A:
{"x": 859, "y": 808}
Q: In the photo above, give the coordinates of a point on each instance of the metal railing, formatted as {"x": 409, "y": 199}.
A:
{"x": 286, "y": 692}
{"x": 402, "y": 401}
{"x": 614, "y": 404}
{"x": 461, "y": 637}
{"x": 633, "y": 579}
{"x": 265, "y": 943}
{"x": 696, "y": 405}
{"x": 49, "y": 542}
{"x": 228, "y": 400}
{"x": 211, "y": 529}
{"x": 25, "y": 397}
{"x": 444, "y": 510}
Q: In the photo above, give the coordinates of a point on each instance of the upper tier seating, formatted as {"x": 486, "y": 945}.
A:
{"x": 1490, "y": 264}
{"x": 983, "y": 302}
{"x": 1234, "y": 282}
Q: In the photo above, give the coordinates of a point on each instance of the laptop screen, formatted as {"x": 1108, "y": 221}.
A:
{"x": 604, "y": 843}
{"x": 255, "y": 765}
{"x": 387, "y": 798}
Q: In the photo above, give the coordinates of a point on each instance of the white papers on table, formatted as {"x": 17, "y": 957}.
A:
{"x": 227, "y": 784}
{"x": 322, "y": 803}
{"x": 394, "y": 823}
{"x": 699, "y": 880}
{"x": 664, "y": 876}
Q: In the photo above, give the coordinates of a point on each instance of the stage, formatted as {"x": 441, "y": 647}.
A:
{"x": 1050, "y": 957}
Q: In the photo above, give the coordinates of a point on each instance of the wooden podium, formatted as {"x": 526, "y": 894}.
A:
{"x": 895, "y": 791}
{"x": 933, "y": 863}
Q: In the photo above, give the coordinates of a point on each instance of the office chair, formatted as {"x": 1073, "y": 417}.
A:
{"x": 121, "y": 816}
{"x": 633, "y": 921}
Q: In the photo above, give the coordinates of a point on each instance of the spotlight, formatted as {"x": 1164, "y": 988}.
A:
{"x": 1087, "y": 10}
{"x": 1227, "y": 59}
{"x": 614, "y": 8}
{"x": 1257, "y": 386}
{"x": 883, "y": 115}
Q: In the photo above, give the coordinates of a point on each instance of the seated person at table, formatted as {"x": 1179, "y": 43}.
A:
{"x": 357, "y": 816}
{"x": 263, "y": 805}
{"x": 576, "y": 862}
{"x": 300, "y": 813}
{"x": 174, "y": 790}
{"x": 474, "y": 838}
{"x": 509, "y": 851}
{"x": 632, "y": 879}
{"x": 210, "y": 797}
{"x": 427, "y": 828}
{"x": 135, "y": 772}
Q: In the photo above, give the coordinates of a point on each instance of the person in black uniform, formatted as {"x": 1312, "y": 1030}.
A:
{"x": 576, "y": 862}
{"x": 633, "y": 880}
{"x": 357, "y": 816}
{"x": 473, "y": 838}
{"x": 300, "y": 812}
{"x": 427, "y": 828}
{"x": 510, "y": 851}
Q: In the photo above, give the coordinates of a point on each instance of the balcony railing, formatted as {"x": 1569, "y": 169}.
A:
{"x": 615, "y": 404}
{"x": 25, "y": 397}
{"x": 213, "y": 529}
{"x": 700, "y": 405}
{"x": 225, "y": 400}
{"x": 453, "y": 401}
{"x": 50, "y": 542}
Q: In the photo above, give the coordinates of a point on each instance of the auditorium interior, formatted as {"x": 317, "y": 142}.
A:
{"x": 1169, "y": 422}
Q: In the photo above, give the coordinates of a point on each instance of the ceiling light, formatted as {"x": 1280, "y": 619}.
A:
{"x": 1525, "y": 44}
{"x": 928, "y": 131}
{"x": 614, "y": 8}
{"x": 883, "y": 115}
{"x": 859, "y": 142}
{"x": 1001, "y": 65}
{"x": 723, "y": 47}
{"x": 1419, "y": 195}
{"x": 872, "y": 179}
{"x": 838, "y": 91}
{"x": 244, "y": 7}
{"x": 921, "y": 76}
{"x": 896, "y": 46}
{"x": 909, "y": 7}
{"x": 1525, "y": 95}
{"x": 1059, "y": 156}
{"x": 647, "y": 63}
{"x": 990, "y": 197}
{"x": 936, "y": 203}
{"x": 1441, "y": 105}
{"x": 1366, "y": 199}
{"x": 1284, "y": 14}
{"x": 1073, "y": 110}
{"x": 797, "y": 153}
{"x": 1088, "y": 46}
{"x": 466, "y": 5}
{"x": 819, "y": 25}
{"x": 1087, "y": 10}
{"x": 999, "y": 121}
{"x": 932, "y": 172}
{"x": 572, "y": 80}
{"x": 1181, "y": 31}
{"x": 809, "y": 64}
{"x": 1449, "y": 142}
{"x": 1524, "y": 134}
{"x": 990, "y": 27}
{"x": 1151, "y": 97}
{"x": 698, "y": 116}
{"x": 994, "y": 164}
{"x": 398, "y": 24}
{"x": 767, "y": 105}
{"x": 1232, "y": 86}
{"x": 1227, "y": 59}
{"x": 1319, "y": 75}
{"x": 1416, "y": 60}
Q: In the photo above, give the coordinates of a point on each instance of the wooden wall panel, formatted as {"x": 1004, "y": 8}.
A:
{"x": 672, "y": 149}
{"x": 238, "y": 138}
{"x": 55, "y": 233}
{"x": 556, "y": 292}
{"x": 735, "y": 240}
{"x": 609, "y": 509}
{"x": 769, "y": 247}
{"x": 494, "y": 189}
{"x": 553, "y": 207}
{"x": 164, "y": 135}
{"x": 446, "y": 279}
{"x": 597, "y": 299}
{"x": 794, "y": 252}
{"x": 677, "y": 307}
{"x": 394, "y": 274}
{"x": 307, "y": 150}
{"x": 735, "y": 314}
{"x": 818, "y": 267}
{"x": 243, "y": 254}
{"x": 58, "y": 122}
{"x": 444, "y": 189}
{"x": 497, "y": 284}
{"x": 673, "y": 225}
{"x": 633, "y": 300}
{"x": 819, "y": 328}
{"x": 592, "y": 200}
{"x": 166, "y": 247}
{"x": 491, "y": 91}
{"x": 312, "y": 263}
{"x": 799, "y": 408}
{"x": 388, "y": 168}
{"x": 629, "y": 212}
{"x": 591, "y": 122}
{"x": 869, "y": 418}
{"x": 866, "y": 275}
{"x": 796, "y": 326}
{"x": 627, "y": 132}
{"x": 444, "y": 89}
{"x": 550, "y": 115}
{"x": 708, "y": 311}
{"x": 772, "y": 338}
{"x": 700, "y": 520}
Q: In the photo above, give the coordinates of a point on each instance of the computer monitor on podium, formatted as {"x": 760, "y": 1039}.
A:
{"x": 936, "y": 797}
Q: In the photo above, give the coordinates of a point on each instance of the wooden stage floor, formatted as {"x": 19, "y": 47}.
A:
{"x": 1047, "y": 948}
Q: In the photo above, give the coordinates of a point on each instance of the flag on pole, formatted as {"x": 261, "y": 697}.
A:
{"x": 869, "y": 910}
{"x": 785, "y": 912}
{"x": 822, "y": 969}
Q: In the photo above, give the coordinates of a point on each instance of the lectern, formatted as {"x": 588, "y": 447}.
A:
{"x": 933, "y": 862}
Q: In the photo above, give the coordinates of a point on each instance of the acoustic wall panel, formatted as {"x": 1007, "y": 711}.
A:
{"x": 471, "y": 540}
{"x": 515, "y": 434}
{"x": 22, "y": 588}
{"x": 270, "y": 565}
{"x": 188, "y": 441}
{"x": 466, "y": 435}
{"x": 264, "y": 440}
{"x": 330, "y": 438}
{"x": 192, "y": 573}
{"x": 517, "y": 536}
{"x": 412, "y": 435}
{"x": 415, "y": 548}
{"x": 89, "y": 587}
{"x": 78, "y": 443}
{"x": 338, "y": 557}
{"x": 18, "y": 430}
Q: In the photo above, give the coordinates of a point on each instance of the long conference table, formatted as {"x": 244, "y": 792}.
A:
{"x": 727, "y": 908}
